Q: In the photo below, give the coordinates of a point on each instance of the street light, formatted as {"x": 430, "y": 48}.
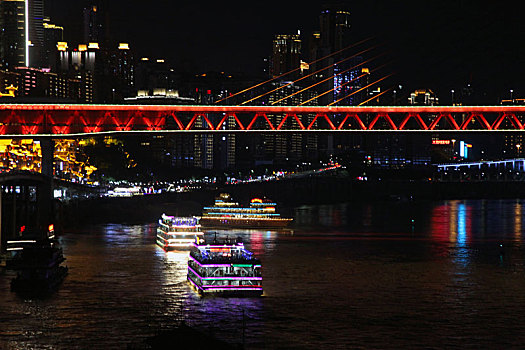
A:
{"x": 518, "y": 146}
{"x": 452, "y": 93}
{"x": 511, "y": 91}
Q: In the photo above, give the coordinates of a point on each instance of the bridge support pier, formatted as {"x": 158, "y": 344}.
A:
{"x": 48, "y": 148}
{"x": 45, "y": 194}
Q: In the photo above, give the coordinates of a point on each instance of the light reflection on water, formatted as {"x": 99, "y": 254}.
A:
{"x": 383, "y": 275}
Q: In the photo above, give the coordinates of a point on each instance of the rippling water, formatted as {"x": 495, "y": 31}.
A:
{"x": 388, "y": 275}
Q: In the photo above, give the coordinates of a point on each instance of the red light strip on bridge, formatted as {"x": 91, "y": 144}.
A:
{"x": 20, "y": 120}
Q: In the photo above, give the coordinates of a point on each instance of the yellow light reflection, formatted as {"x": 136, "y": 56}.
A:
{"x": 176, "y": 256}
{"x": 517, "y": 221}
{"x": 453, "y": 222}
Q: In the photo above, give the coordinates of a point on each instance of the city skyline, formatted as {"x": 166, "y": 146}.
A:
{"x": 441, "y": 46}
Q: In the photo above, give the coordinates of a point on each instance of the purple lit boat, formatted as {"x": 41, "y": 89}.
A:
{"x": 224, "y": 268}
{"x": 176, "y": 232}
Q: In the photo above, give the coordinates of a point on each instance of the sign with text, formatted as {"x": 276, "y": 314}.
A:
{"x": 441, "y": 142}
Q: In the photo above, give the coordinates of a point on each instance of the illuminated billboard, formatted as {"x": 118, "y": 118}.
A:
{"x": 441, "y": 142}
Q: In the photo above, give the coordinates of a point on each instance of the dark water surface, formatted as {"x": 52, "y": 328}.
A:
{"x": 445, "y": 274}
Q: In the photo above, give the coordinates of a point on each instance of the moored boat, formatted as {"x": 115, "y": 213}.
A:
{"x": 224, "y": 268}
{"x": 38, "y": 266}
{"x": 174, "y": 232}
{"x": 227, "y": 213}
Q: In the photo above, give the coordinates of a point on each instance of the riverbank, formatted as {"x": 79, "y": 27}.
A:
{"x": 287, "y": 194}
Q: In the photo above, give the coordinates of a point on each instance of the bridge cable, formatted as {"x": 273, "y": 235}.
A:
{"x": 345, "y": 83}
{"x": 364, "y": 87}
{"x": 307, "y": 76}
{"x": 293, "y": 70}
{"x": 326, "y": 79}
{"x": 371, "y": 98}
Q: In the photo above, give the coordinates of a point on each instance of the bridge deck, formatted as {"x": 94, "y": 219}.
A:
{"x": 18, "y": 120}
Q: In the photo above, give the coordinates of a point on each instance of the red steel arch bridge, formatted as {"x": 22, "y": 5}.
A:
{"x": 56, "y": 120}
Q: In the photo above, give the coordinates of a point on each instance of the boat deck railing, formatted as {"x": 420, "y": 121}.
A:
{"x": 216, "y": 259}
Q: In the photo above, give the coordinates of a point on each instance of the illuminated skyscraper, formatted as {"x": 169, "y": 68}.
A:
{"x": 334, "y": 36}
{"x": 337, "y": 80}
{"x": 35, "y": 12}
{"x": 123, "y": 71}
{"x": 289, "y": 148}
{"x": 13, "y": 34}
{"x": 286, "y": 55}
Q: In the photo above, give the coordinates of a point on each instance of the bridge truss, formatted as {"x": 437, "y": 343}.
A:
{"x": 17, "y": 120}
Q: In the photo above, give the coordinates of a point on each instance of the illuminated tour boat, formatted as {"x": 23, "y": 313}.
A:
{"x": 224, "y": 268}
{"x": 177, "y": 232}
{"x": 226, "y": 212}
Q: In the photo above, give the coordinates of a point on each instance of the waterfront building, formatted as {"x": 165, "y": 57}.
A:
{"x": 9, "y": 80}
{"x": 399, "y": 151}
{"x": 26, "y": 154}
{"x": 41, "y": 83}
{"x": 67, "y": 163}
{"x": 513, "y": 145}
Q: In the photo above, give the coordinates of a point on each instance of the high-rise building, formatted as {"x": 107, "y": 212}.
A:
{"x": 340, "y": 77}
{"x": 53, "y": 34}
{"x": 335, "y": 26}
{"x": 35, "y": 12}
{"x": 109, "y": 73}
{"x": 77, "y": 65}
{"x": 96, "y": 23}
{"x": 289, "y": 148}
{"x": 226, "y": 146}
{"x": 334, "y": 36}
{"x": 38, "y": 83}
{"x": 13, "y": 34}
{"x": 123, "y": 73}
{"x": 286, "y": 55}
{"x": 154, "y": 76}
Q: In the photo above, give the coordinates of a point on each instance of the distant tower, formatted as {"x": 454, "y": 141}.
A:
{"x": 335, "y": 26}
{"x": 13, "y": 44}
{"x": 96, "y": 24}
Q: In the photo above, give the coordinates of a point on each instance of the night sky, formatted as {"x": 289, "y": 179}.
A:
{"x": 430, "y": 44}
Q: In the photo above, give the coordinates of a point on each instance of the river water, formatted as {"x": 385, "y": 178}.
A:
{"x": 447, "y": 274}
